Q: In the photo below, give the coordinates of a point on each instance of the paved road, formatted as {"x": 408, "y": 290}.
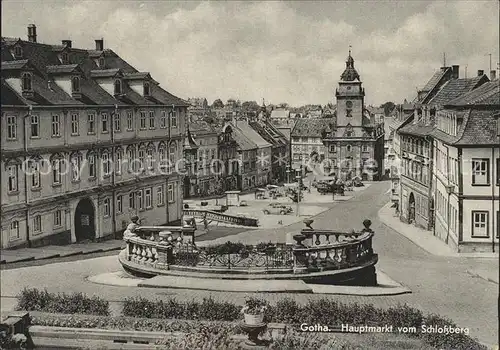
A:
{"x": 439, "y": 285}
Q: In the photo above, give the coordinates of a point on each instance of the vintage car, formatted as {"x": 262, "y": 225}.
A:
{"x": 325, "y": 187}
{"x": 277, "y": 209}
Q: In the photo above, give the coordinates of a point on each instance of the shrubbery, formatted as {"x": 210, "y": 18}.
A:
{"x": 170, "y": 315}
{"x": 76, "y": 303}
{"x": 208, "y": 309}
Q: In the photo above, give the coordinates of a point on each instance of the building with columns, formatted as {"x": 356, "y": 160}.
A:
{"x": 87, "y": 142}
{"x": 356, "y": 144}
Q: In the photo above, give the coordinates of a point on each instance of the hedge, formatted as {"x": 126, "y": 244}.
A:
{"x": 322, "y": 311}
{"x": 76, "y": 303}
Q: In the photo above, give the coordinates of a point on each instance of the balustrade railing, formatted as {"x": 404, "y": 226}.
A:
{"x": 221, "y": 217}
{"x": 315, "y": 250}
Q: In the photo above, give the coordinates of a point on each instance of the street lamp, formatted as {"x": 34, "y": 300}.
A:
{"x": 288, "y": 174}
{"x": 298, "y": 177}
{"x": 449, "y": 191}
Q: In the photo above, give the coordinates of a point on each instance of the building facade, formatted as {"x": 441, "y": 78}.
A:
{"x": 417, "y": 204}
{"x": 466, "y": 170}
{"x": 307, "y": 140}
{"x": 84, "y": 136}
{"x": 356, "y": 144}
{"x": 207, "y": 179}
{"x": 229, "y": 169}
{"x": 247, "y": 152}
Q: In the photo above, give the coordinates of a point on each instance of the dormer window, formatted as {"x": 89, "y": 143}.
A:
{"x": 27, "y": 82}
{"x": 147, "y": 91}
{"x": 101, "y": 62}
{"x": 118, "y": 87}
{"x": 64, "y": 58}
{"x": 75, "y": 84}
{"x": 18, "y": 52}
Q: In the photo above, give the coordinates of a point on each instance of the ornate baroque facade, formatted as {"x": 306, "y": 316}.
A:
{"x": 84, "y": 138}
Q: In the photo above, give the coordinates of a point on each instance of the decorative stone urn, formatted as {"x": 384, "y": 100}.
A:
{"x": 308, "y": 223}
{"x": 253, "y": 320}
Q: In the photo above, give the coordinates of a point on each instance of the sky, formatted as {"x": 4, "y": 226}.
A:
{"x": 285, "y": 52}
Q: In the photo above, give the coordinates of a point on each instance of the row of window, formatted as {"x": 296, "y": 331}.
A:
{"x": 447, "y": 122}
{"x": 27, "y": 85}
{"x": 447, "y": 166}
{"x": 140, "y": 200}
{"x": 144, "y": 160}
{"x": 147, "y": 121}
{"x": 416, "y": 171}
{"x": 415, "y": 145}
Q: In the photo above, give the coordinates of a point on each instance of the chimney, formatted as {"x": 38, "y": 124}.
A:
{"x": 493, "y": 75}
{"x": 99, "y": 44}
{"x": 480, "y": 72}
{"x": 67, "y": 43}
{"x": 32, "y": 33}
{"x": 455, "y": 72}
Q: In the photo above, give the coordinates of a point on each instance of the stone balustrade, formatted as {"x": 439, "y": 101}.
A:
{"x": 162, "y": 247}
{"x": 221, "y": 217}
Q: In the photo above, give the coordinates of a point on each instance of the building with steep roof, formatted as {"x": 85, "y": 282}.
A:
{"x": 280, "y": 152}
{"x": 356, "y": 144}
{"x": 307, "y": 140}
{"x": 417, "y": 205}
{"x": 100, "y": 140}
{"x": 466, "y": 170}
{"x": 247, "y": 152}
{"x": 206, "y": 182}
{"x": 263, "y": 156}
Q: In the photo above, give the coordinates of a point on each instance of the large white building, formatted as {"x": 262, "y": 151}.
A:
{"x": 87, "y": 142}
{"x": 467, "y": 170}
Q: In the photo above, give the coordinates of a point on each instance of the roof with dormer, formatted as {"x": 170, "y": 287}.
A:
{"x": 46, "y": 61}
{"x": 350, "y": 73}
{"x": 454, "y": 88}
{"x": 487, "y": 94}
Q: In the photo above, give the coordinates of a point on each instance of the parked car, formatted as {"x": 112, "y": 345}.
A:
{"x": 277, "y": 209}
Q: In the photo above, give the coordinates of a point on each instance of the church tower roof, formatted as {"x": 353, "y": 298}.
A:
{"x": 350, "y": 73}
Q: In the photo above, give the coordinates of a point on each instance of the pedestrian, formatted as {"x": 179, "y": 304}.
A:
{"x": 130, "y": 230}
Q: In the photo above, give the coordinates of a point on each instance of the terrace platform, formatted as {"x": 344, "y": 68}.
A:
{"x": 169, "y": 257}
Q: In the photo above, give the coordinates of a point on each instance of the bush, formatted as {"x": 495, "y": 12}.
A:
{"x": 76, "y": 303}
{"x": 455, "y": 341}
{"x": 208, "y": 309}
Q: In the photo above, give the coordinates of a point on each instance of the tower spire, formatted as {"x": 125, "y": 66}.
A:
{"x": 350, "y": 47}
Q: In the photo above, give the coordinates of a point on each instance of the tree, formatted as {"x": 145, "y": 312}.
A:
{"x": 250, "y": 106}
{"x": 388, "y": 107}
{"x": 218, "y": 103}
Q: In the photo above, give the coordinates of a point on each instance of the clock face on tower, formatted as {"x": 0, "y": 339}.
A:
{"x": 348, "y": 104}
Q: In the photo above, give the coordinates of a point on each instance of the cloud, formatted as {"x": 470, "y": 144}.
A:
{"x": 268, "y": 49}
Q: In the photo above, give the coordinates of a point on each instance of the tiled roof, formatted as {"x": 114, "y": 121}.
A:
{"x": 480, "y": 128}
{"x": 269, "y": 133}
{"x": 311, "y": 127}
{"x": 189, "y": 142}
{"x": 418, "y": 129}
{"x": 62, "y": 68}
{"x": 201, "y": 127}
{"x": 137, "y": 75}
{"x": 243, "y": 142}
{"x": 434, "y": 80}
{"x": 45, "y": 60}
{"x": 280, "y": 113}
{"x": 486, "y": 94}
{"x": 104, "y": 73}
{"x": 10, "y": 97}
{"x": 456, "y": 87}
{"x": 14, "y": 65}
{"x": 252, "y": 135}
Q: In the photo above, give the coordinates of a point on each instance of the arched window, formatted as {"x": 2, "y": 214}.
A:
{"x": 172, "y": 155}
{"x": 131, "y": 158}
{"x": 92, "y": 160}
{"x": 141, "y": 156}
{"x": 162, "y": 155}
{"x": 118, "y": 86}
{"x": 118, "y": 160}
{"x": 34, "y": 165}
{"x": 65, "y": 58}
{"x": 75, "y": 84}
{"x": 18, "y": 52}
{"x": 27, "y": 82}
{"x": 56, "y": 163}
{"x": 150, "y": 156}
{"x": 147, "y": 91}
{"x": 76, "y": 163}
{"x": 105, "y": 163}
{"x": 348, "y": 148}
